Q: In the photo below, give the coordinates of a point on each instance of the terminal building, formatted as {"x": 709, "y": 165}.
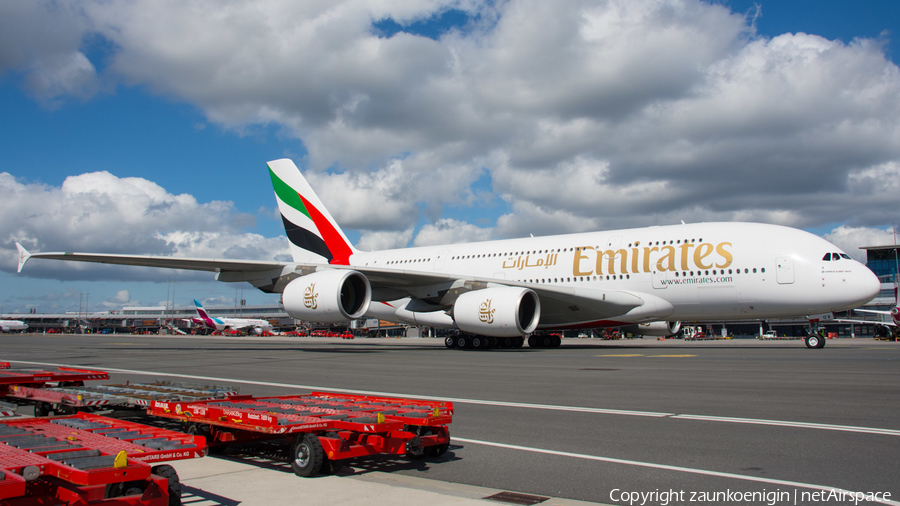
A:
{"x": 884, "y": 261}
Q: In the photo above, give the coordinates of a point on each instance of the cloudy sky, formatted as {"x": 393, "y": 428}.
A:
{"x": 144, "y": 127}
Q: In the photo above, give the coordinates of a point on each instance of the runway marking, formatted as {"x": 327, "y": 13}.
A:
{"x": 666, "y": 467}
{"x": 782, "y": 423}
{"x": 672, "y": 356}
{"x": 549, "y": 407}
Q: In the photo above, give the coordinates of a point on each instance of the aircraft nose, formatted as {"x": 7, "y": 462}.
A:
{"x": 870, "y": 286}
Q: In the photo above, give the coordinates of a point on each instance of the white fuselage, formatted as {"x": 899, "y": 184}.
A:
{"x": 12, "y": 325}
{"x": 705, "y": 271}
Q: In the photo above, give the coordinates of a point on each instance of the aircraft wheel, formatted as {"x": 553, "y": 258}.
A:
{"x": 546, "y": 341}
{"x": 533, "y": 342}
{"x": 462, "y": 342}
{"x": 506, "y": 342}
{"x": 307, "y": 455}
{"x": 450, "y": 342}
{"x": 493, "y": 342}
{"x": 821, "y": 343}
{"x": 813, "y": 340}
{"x": 556, "y": 342}
{"x": 518, "y": 342}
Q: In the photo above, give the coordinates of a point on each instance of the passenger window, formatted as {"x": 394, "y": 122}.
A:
{"x": 827, "y": 257}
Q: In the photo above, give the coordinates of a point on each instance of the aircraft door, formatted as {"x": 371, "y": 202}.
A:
{"x": 659, "y": 278}
{"x": 784, "y": 270}
{"x": 440, "y": 259}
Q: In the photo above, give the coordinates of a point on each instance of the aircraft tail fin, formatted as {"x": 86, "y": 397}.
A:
{"x": 312, "y": 232}
{"x": 200, "y": 310}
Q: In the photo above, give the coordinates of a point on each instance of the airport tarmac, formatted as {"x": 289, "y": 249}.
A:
{"x": 614, "y": 422}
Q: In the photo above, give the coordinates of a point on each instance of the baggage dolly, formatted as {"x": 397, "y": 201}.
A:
{"x": 69, "y": 399}
{"x": 323, "y": 429}
{"x": 90, "y": 460}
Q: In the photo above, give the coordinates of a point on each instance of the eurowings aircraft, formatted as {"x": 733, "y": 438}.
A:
{"x": 884, "y": 329}
{"x": 257, "y": 326}
{"x": 644, "y": 280}
{"x": 13, "y": 326}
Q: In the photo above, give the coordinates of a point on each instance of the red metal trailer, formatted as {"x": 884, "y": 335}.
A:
{"x": 324, "y": 429}
{"x": 63, "y": 375}
{"x": 87, "y": 459}
{"x": 68, "y": 399}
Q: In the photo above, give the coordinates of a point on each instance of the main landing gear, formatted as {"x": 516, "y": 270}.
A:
{"x": 476, "y": 342}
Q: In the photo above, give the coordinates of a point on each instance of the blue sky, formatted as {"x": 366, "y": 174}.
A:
{"x": 140, "y": 113}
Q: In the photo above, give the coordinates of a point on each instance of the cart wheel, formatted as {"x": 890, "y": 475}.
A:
{"x": 174, "y": 489}
{"x": 437, "y": 450}
{"x": 123, "y": 489}
{"x": 41, "y": 409}
{"x": 307, "y": 455}
{"x": 332, "y": 466}
{"x": 199, "y": 429}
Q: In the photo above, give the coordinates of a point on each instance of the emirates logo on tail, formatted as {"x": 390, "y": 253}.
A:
{"x": 310, "y": 297}
{"x": 485, "y": 312}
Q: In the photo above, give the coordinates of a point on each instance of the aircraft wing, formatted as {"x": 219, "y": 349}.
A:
{"x": 873, "y": 311}
{"x": 194, "y": 264}
{"x": 558, "y": 304}
{"x": 864, "y": 322}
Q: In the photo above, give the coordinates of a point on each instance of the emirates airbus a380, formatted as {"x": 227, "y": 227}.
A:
{"x": 645, "y": 280}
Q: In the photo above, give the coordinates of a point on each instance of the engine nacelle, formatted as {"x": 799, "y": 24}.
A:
{"x": 503, "y": 311}
{"x": 330, "y": 296}
{"x": 653, "y": 328}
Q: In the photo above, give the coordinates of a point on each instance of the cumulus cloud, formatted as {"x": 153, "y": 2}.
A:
{"x": 99, "y": 212}
{"x": 851, "y": 239}
{"x": 380, "y": 240}
{"x": 596, "y": 114}
{"x": 449, "y": 231}
{"x": 120, "y": 299}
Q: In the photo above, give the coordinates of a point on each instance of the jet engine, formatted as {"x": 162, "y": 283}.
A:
{"x": 329, "y": 296}
{"x": 653, "y": 328}
{"x": 503, "y": 311}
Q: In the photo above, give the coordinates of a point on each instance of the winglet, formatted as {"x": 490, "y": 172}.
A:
{"x": 24, "y": 255}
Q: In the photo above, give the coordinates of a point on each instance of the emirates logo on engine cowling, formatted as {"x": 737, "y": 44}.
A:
{"x": 310, "y": 297}
{"x": 485, "y": 312}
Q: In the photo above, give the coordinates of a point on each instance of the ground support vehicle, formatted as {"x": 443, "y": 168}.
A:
{"x": 7, "y": 409}
{"x": 61, "y": 375}
{"x": 87, "y": 459}
{"x": 69, "y": 399}
{"x": 323, "y": 429}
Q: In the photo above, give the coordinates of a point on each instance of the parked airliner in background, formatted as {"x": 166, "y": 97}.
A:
{"x": 13, "y": 326}
{"x": 644, "y": 280}
{"x": 884, "y": 329}
{"x": 256, "y": 326}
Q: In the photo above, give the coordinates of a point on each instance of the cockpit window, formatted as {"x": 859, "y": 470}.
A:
{"x": 846, "y": 256}
{"x": 827, "y": 257}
